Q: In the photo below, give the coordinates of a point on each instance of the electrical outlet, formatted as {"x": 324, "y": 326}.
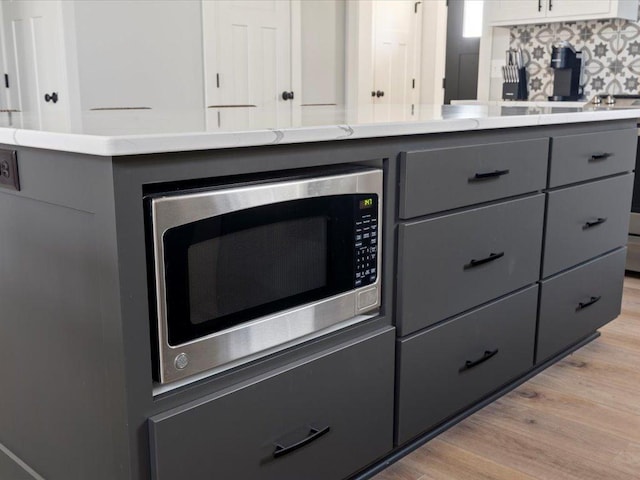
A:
{"x": 9, "y": 170}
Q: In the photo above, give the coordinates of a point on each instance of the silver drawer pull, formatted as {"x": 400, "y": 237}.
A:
{"x": 599, "y": 221}
{"x": 474, "y": 363}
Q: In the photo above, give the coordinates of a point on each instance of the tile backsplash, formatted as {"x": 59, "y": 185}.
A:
{"x": 610, "y": 55}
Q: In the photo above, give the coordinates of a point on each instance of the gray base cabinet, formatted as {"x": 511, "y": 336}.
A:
{"x": 444, "y": 369}
{"x": 323, "y": 419}
{"x": 477, "y": 223}
{"x": 577, "y": 302}
{"x": 500, "y": 248}
{"x": 585, "y": 221}
{"x": 458, "y": 261}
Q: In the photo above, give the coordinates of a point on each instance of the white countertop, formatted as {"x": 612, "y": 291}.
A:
{"x": 429, "y": 119}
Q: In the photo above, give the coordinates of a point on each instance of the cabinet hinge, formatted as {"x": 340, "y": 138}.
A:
{"x": 413, "y": 109}
{"x": 415, "y": 6}
{"x": 444, "y": 82}
{"x": 413, "y": 83}
{"x": 217, "y": 80}
{"x": 6, "y": 80}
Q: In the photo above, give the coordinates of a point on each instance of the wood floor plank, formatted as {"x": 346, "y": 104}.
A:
{"x": 577, "y": 420}
{"x": 442, "y": 461}
{"x": 536, "y": 395}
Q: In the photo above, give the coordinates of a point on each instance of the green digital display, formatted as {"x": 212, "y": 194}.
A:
{"x": 366, "y": 203}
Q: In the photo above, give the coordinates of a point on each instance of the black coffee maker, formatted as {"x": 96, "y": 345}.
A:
{"x": 566, "y": 64}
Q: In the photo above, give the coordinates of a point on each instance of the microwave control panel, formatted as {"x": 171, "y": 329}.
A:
{"x": 366, "y": 240}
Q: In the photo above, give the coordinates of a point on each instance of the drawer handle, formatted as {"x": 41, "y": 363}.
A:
{"x": 599, "y": 221}
{"x": 600, "y": 156}
{"x": 490, "y": 258}
{"x": 487, "y": 175}
{"x": 314, "y": 434}
{"x": 591, "y": 301}
{"x": 469, "y": 364}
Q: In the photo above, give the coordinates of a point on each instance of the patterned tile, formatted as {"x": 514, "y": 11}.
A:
{"x": 610, "y": 54}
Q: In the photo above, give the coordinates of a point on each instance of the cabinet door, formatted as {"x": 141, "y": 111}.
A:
{"x": 445, "y": 369}
{"x": 572, "y": 8}
{"x": 248, "y": 63}
{"x": 510, "y": 12}
{"x": 577, "y": 302}
{"x": 585, "y": 221}
{"x": 452, "y": 263}
{"x": 319, "y": 420}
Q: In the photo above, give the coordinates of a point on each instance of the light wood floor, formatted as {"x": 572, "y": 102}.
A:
{"x": 579, "y": 419}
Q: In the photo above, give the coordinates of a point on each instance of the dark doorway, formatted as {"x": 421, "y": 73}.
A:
{"x": 461, "y": 67}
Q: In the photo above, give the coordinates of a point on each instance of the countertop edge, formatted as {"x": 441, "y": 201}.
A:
{"x": 178, "y": 142}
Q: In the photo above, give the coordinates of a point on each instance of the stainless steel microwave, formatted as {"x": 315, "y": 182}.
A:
{"x": 243, "y": 271}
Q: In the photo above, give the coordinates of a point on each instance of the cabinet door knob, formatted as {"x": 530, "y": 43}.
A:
{"x": 51, "y": 98}
{"x": 287, "y": 95}
{"x": 379, "y": 93}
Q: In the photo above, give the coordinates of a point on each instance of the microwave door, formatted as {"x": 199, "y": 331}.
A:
{"x": 240, "y": 266}
{"x": 229, "y": 263}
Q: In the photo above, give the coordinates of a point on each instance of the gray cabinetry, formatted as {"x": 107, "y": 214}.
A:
{"x": 468, "y": 279}
{"x": 448, "y": 367}
{"x": 575, "y": 303}
{"x": 443, "y": 179}
{"x": 575, "y": 158}
{"x": 455, "y": 262}
{"x": 585, "y": 221}
{"x": 338, "y": 408}
{"x": 459, "y": 266}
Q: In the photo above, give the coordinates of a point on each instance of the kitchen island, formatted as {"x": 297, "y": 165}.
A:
{"x": 503, "y": 233}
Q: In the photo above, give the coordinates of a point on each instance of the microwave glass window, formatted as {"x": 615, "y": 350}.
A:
{"x": 256, "y": 266}
{"x": 236, "y": 267}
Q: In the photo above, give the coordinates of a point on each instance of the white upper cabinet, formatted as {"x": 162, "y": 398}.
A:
{"x": 518, "y": 12}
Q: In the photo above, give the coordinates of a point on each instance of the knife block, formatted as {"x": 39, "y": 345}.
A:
{"x": 516, "y": 90}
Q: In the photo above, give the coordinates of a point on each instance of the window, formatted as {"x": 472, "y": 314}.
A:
{"x": 472, "y": 18}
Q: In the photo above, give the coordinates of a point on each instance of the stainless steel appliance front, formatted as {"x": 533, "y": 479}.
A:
{"x": 263, "y": 335}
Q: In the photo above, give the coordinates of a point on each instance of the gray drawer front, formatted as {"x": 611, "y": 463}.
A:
{"x": 430, "y": 384}
{"x": 571, "y": 156}
{"x": 434, "y": 278}
{"x": 442, "y": 179}
{"x": 569, "y": 240}
{"x": 233, "y": 435}
{"x": 562, "y": 322}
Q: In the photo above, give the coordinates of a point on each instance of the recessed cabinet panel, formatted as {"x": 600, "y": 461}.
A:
{"x": 585, "y": 221}
{"x": 447, "y": 178}
{"x": 451, "y": 366}
{"x": 321, "y": 420}
{"x": 579, "y": 301}
{"x": 575, "y": 158}
{"x": 453, "y": 263}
